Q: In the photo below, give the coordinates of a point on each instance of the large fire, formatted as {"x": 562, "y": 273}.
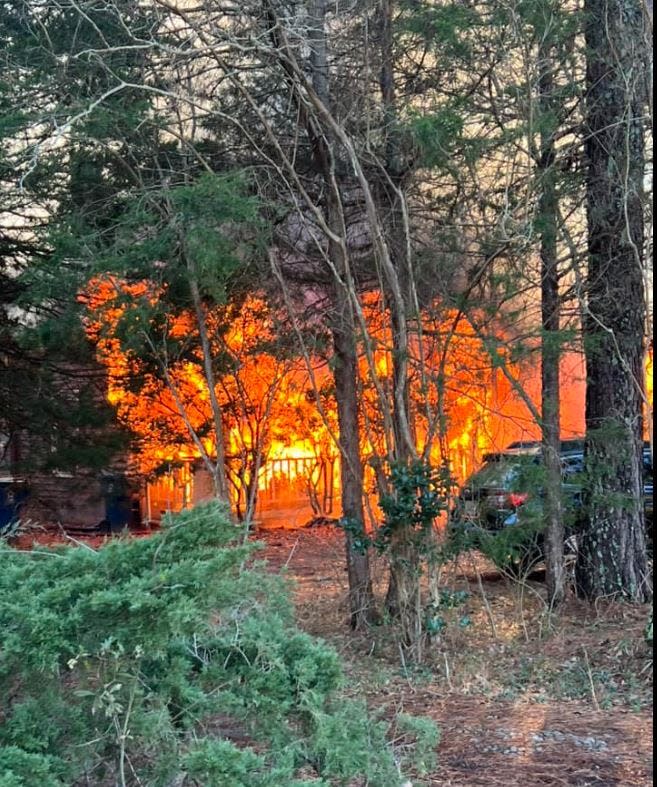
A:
{"x": 272, "y": 428}
{"x": 280, "y": 445}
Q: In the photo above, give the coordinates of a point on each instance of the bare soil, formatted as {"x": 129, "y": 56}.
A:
{"x": 521, "y": 697}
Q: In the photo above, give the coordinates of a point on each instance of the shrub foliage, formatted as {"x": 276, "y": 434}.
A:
{"x": 167, "y": 661}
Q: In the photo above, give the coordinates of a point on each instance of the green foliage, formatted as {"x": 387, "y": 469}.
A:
{"x": 219, "y": 762}
{"x": 49, "y": 76}
{"x": 516, "y": 548}
{"x": 341, "y": 747}
{"x": 192, "y": 229}
{"x": 421, "y": 737}
{"x": 203, "y": 234}
{"x": 648, "y": 630}
{"x": 168, "y": 658}
{"x": 19, "y": 768}
{"x": 513, "y": 549}
{"x": 418, "y": 495}
{"x": 437, "y": 135}
{"x": 441, "y": 612}
{"x": 444, "y": 26}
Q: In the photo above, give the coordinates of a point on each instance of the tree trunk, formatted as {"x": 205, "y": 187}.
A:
{"x": 390, "y": 196}
{"x": 407, "y": 552}
{"x": 219, "y": 476}
{"x": 550, "y": 345}
{"x": 345, "y": 371}
{"x": 612, "y": 556}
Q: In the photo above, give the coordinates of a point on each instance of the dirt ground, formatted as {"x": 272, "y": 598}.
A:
{"x": 520, "y": 699}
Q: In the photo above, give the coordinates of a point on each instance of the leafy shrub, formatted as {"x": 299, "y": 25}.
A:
{"x": 165, "y": 659}
{"x": 514, "y": 549}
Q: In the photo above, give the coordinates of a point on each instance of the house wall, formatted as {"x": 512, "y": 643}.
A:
{"x": 202, "y": 486}
{"x": 77, "y": 501}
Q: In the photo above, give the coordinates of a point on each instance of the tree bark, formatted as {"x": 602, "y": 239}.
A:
{"x": 550, "y": 344}
{"x": 219, "y": 477}
{"x": 612, "y": 557}
{"x": 407, "y": 552}
{"x": 390, "y": 196}
{"x": 345, "y": 371}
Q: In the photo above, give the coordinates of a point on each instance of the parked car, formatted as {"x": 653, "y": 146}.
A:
{"x": 647, "y": 488}
{"x": 505, "y": 497}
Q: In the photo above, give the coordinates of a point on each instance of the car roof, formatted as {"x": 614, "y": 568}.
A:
{"x": 533, "y": 448}
{"x": 569, "y": 447}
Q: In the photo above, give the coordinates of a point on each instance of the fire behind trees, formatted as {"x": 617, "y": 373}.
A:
{"x": 443, "y": 125}
{"x": 270, "y": 409}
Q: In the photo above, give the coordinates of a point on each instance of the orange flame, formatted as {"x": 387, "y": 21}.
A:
{"x": 269, "y": 409}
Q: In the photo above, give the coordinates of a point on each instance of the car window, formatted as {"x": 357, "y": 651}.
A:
{"x": 571, "y": 465}
{"x": 501, "y": 472}
{"x": 647, "y": 466}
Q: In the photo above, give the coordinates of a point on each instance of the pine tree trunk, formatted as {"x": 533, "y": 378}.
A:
{"x": 550, "y": 345}
{"x": 612, "y": 556}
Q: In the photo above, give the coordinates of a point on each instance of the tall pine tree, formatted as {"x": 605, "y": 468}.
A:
{"x": 612, "y": 557}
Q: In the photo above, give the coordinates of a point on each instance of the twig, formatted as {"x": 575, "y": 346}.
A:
{"x": 596, "y": 704}
{"x": 404, "y": 667}
{"x": 448, "y": 675}
{"x": 487, "y": 607}
{"x": 78, "y": 543}
{"x": 292, "y": 551}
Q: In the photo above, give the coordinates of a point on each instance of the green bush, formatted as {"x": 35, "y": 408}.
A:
{"x": 515, "y": 549}
{"x": 169, "y": 659}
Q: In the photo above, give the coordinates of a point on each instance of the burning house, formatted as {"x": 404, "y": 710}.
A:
{"x": 279, "y": 421}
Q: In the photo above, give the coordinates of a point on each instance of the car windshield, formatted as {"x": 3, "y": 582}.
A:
{"x": 506, "y": 470}
{"x": 517, "y": 466}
